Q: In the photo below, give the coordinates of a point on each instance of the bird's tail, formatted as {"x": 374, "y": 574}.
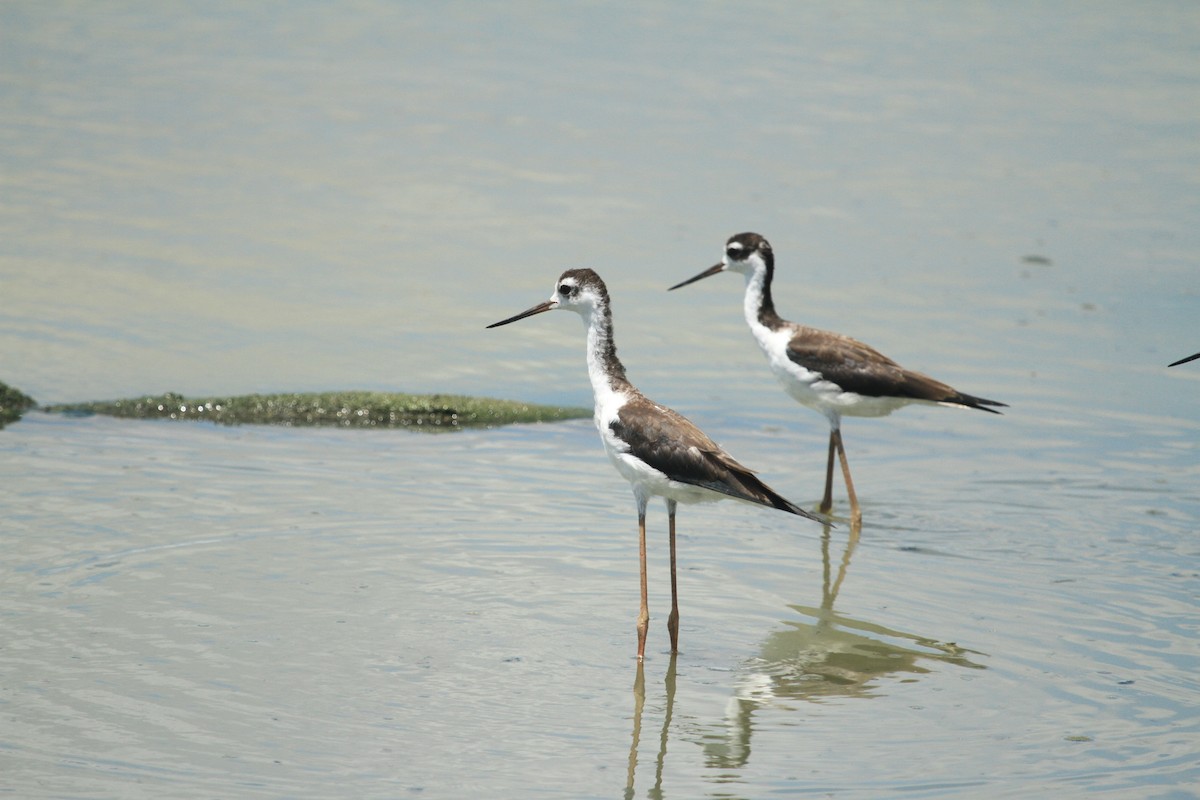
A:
{"x": 755, "y": 491}
{"x": 971, "y": 401}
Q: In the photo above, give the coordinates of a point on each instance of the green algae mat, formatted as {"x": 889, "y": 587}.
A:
{"x": 431, "y": 412}
{"x": 13, "y": 404}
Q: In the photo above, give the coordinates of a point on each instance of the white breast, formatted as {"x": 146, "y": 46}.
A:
{"x": 645, "y": 480}
{"x": 805, "y": 386}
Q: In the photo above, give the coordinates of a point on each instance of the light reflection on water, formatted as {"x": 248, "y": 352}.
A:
{"x": 208, "y": 605}
{"x": 233, "y": 200}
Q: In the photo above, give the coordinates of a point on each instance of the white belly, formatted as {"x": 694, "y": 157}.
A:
{"x": 810, "y": 389}
{"x": 652, "y": 483}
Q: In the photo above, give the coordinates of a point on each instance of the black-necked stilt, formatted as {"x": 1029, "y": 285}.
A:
{"x": 828, "y": 372}
{"x": 657, "y": 450}
{"x": 1184, "y": 360}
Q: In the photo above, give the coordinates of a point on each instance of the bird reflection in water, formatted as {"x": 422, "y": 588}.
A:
{"x": 639, "y": 702}
{"x": 833, "y": 656}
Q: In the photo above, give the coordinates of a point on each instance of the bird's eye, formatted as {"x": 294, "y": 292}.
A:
{"x": 564, "y": 289}
{"x": 734, "y": 252}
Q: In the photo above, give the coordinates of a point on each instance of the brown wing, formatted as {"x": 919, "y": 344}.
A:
{"x": 671, "y": 444}
{"x": 857, "y": 367}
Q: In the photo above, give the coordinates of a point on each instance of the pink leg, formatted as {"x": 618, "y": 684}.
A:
{"x": 855, "y": 511}
{"x": 673, "y": 620}
{"x": 643, "y": 620}
{"x": 827, "y": 502}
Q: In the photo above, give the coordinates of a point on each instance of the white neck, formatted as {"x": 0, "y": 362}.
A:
{"x": 756, "y": 281}
{"x": 605, "y": 371}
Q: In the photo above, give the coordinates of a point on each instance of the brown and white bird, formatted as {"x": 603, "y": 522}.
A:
{"x": 826, "y": 371}
{"x": 657, "y": 450}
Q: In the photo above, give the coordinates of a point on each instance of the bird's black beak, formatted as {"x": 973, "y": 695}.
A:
{"x": 538, "y": 309}
{"x": 713, "y": 270}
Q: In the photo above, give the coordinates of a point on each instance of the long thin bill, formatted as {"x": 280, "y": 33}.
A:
{"x": 713, "y": 270}
{"x": 538, "y": 309}
{"x": 1184, "y": 360}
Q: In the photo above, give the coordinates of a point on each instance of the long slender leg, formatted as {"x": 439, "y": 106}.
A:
{"x": 643, "y": 620}
{"x": 855, "y": 511}
{"x": 827, "y": 503}
{"x": 673, "y": 620}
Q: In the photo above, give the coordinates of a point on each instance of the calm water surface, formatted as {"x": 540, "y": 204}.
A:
{"x": 284, "y": 198}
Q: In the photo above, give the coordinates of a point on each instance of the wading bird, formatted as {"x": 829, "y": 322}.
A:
{"x": 657, "y": 450}
{"x": 826, "y": 371}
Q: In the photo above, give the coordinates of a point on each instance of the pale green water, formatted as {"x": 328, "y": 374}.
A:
{"x": 302, "y": 197}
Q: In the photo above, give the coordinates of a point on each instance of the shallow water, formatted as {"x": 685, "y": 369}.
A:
{"x": 249, "y": 199}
